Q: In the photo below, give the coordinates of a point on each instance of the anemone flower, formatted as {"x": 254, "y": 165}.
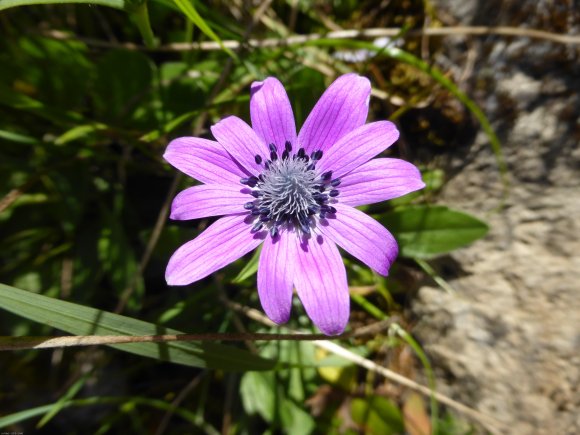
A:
{"x": 293, "y": 193}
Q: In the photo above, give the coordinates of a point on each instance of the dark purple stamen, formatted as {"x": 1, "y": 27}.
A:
{"x": 244, "y": 181}
{"x": 311, "y": 167}
{"x": 327, "y": 176}
{"x": 264, "y": 218}
{"x": 316, "y": 155}
{"x": 257, "y": 226}
{"x": 273, "y": 156}
{"x": 252, "y": 181}
{"x": 249, "y": 205}
{"x": 272, "y": 148}
{"x": 301, "y": 153}
{"x": 274, "y": 231}
{"x": 331, "y": 209}
{"x": 335, "y": 182}
{"x": 288, "y": 146}
{"x": 304, "y": 225}
{"x": 256, "y": 194}
{"x": 285, "y": 155}
{"x": 334, "y": 193}
{"x": 258, "y": 159}
{"x": 255, "y": 212}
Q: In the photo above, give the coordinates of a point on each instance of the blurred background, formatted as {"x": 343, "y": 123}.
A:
{"x": 483, "y": 300}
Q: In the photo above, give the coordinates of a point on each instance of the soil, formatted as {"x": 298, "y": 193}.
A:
{"x": 507, "y": 342}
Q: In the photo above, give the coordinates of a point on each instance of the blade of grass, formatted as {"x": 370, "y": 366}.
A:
{"x": 140, "y": 14}
{"x": 117, "y": 4}
{"x": 189, "y": 416}
{"x": 189, "y": 10}
{"x": 60, "y": 403}
{"x": 396, "y": 328}
{"x": 81, "y": 320}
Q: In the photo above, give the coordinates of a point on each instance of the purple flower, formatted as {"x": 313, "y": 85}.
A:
{"x": 295, "y": 194}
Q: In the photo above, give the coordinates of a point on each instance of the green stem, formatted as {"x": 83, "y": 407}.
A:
{"x": 430, "y": 376}
{"x": 431, "y": 272}
{"x": 141, "y": 17}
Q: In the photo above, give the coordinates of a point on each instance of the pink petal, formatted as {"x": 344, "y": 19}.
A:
{"x": 209, "y": 200}
{"x": 321, "y": 284}
{"x": 343, "y": 107}
{"x": 241, "y": 142}
{"x": 275, "y": 275}
{"x": 379, "y": 180}
{"x": 271, "y": 113}
{"x": 361, "y": 236}
{"x": 224, "y": 241}
{"x": 205, "y": 160}
{"x": 358, "y": 147}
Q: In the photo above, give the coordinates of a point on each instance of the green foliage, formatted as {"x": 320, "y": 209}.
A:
{"x": 84, "y": 120}
{"x": 377, "y": 415}
{"x": 80, "y": 320}
{"x": 426, "y": 231}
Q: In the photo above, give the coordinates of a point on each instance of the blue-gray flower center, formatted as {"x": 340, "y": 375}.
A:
{"x": 290, "y": 191}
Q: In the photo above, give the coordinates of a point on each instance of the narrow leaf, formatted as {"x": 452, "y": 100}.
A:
{"x": 118, "y": 4}
{"x": 186, "y": 6}
{"x": 80, "y": 320}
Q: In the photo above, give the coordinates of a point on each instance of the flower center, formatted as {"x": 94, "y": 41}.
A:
{"x": 290, "y": 191}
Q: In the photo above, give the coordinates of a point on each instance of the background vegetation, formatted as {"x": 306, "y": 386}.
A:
{"x": 89, "y": 98}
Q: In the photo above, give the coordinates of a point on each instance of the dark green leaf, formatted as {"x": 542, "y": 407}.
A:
{"x": 80, "y": 320}
{"x": 425, "y": 231}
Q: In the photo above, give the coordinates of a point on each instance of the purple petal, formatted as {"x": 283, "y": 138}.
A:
{"x": 358, "y": 147}
{"x": 343, "y": 107}
{"x": 379, "y": 180}
{"x": 209, "y": 200}
{"x": 275, "y": 275}
{"x": 224, "y": 241}
{"x": 320, "y": 282}
{"x": 271, "y": 113}
{"x": 362, "y": 237}
{"x": 205, "y": 160}
{"x": 241, "y": 142}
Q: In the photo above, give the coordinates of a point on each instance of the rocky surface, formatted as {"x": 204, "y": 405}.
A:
{"x": 508, "y": 341}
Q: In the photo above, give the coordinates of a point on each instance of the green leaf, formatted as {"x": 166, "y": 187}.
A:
{"x": 425, "y": 231}
{"x": 79, "y": 132}
{"x": 262, "y": 394}
{"x": 186, "y": 6}
{"x": 257, "y": 392}
{"x": 80, "y": 320}
{"x": 18, "y": 138}
{"x": 377, "y": 415}
{"x": 119, "y": 4}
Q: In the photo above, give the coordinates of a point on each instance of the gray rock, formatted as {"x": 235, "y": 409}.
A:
{"x": 508, "y": 341}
